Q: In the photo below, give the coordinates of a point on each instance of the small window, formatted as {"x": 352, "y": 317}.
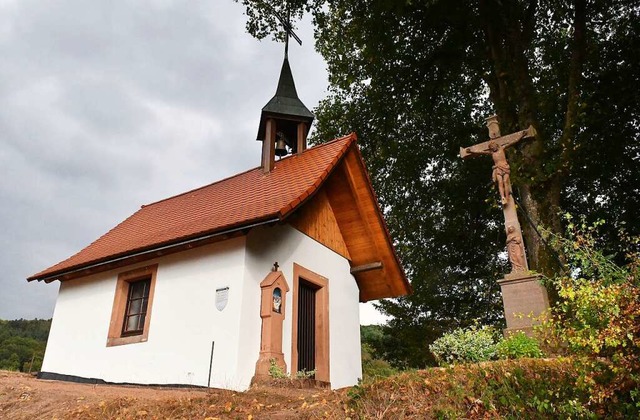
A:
{"x": 136, "y": 307}
{"x": 131, "y": 313}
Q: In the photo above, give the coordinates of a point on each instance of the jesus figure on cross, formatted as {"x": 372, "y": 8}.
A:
{"x": 501, "y": 169}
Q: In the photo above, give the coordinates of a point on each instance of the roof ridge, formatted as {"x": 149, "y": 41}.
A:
{"x": 153, "y": 203}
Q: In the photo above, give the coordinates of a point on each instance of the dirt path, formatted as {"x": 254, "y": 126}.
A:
{"x": 24, "y": 397}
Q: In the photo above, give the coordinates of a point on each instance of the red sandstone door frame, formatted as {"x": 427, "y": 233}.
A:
{"x": 321, "y": 321}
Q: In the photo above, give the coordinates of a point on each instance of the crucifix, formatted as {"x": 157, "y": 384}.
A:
{"x": 286, "y": 24}
{"x": 495, "y": 147}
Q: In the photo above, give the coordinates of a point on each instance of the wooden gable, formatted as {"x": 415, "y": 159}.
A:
{"x": 344, "y": 216}
{"x": 317, "y": 220}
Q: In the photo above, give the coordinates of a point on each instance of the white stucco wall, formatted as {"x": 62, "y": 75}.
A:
{"x": 287, "y": 245}
{"x": 184, "y": 322}
{"x": 184, "y": 319}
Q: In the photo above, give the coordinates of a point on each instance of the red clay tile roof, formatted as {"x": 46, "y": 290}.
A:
{"x": 242, "y": 200}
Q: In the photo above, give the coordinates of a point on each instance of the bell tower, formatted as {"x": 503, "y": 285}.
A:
{"x": 285, "y": 120}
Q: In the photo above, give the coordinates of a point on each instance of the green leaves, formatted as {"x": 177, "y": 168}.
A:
{"x": 518, "y": 345}
{"x": 479, "y": 344}
{"x": 22, "y": 344}
{"x": 597, "y": 315}
{"x": 470, "y": 345}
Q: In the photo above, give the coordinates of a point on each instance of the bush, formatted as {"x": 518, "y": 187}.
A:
{"x": 518, "y": 345}
{"x": 472, "y": 344}
{"x": 597, "y": 319}
{"x": 505, "y": 389}
{"x": 374, "y": 368}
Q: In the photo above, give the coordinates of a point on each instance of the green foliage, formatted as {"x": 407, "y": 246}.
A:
{"x": 275, "y": 371}
{"x": 518, "y": 345}
{"x": 305, "y": 374}
{"x": 373, "y": 335}
{"x": 526, "y": 388}
{"x": 373, "y": 368}
{"x": 465, "y": 345}
{"x": 597, "y": 318}
{"x": 22, "y": 344}
{"x": 374, "y": 348}
{"x": 38, "y": 329}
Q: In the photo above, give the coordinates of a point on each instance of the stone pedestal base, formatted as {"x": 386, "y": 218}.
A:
{"x": 524, "y": 299}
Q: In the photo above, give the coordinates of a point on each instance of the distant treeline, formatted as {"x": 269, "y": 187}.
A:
{"x": 22, "y": 343}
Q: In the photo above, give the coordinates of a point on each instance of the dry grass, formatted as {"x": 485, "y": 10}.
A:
{"x": 532, "y": 388}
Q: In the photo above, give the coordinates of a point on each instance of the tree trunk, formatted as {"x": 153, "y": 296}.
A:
{"x": 540, "y": 212}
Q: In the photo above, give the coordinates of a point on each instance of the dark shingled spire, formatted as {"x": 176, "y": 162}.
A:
{"x": 285, "y": 105}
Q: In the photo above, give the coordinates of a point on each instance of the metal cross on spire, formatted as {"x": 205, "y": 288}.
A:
{"x": 286, "y": 24}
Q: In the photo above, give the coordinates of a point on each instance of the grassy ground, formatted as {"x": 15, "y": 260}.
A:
{"x": 527, "y": 388}
{"x": 530, "y": 388}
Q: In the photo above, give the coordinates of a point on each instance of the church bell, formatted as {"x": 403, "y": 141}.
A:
{"x": 281, "y": 144}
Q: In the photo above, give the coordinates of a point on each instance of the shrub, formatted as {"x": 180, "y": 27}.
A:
{"x": 597, "y": 318}
{"x": 305, "y": 374}
{"x": 374, "y": 368}
{"x": 276, "y": 371}
{"x": 506, "y": 389}
{"x": 518, "y": 345}
{"x": 465, "y": 345}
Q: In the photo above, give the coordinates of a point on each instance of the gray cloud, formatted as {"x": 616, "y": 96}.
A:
{"x": 105, "y": 106}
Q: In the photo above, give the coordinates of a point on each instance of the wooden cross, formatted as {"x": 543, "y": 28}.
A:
{"x": 288, "y": 30}
{"x": 494, "y": 136}
{"x": 495, "y": 147}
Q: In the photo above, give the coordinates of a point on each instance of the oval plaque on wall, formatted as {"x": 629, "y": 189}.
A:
{"x": 222, "y": 297}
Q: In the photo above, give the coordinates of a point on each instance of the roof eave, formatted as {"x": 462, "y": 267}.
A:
{"x": 57, "y": 275}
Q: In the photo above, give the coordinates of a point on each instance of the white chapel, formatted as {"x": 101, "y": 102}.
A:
{"x": 209, "y": 287}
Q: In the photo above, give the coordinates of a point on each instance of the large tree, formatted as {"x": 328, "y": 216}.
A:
{"x": 415, "y": 79}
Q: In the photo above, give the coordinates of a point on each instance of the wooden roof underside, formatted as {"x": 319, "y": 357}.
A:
{"x": 345, "y": 217}
{"x": 364, "y": 231}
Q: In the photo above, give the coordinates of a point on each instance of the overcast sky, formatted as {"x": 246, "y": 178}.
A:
{"x": 105, "y": 106}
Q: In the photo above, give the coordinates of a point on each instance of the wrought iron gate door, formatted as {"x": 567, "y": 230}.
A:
{"x": 306, "y": 327}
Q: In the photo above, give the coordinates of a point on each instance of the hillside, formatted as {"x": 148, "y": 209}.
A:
{"x": 22, "y": 343}
{"x": 527, "y": 388}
